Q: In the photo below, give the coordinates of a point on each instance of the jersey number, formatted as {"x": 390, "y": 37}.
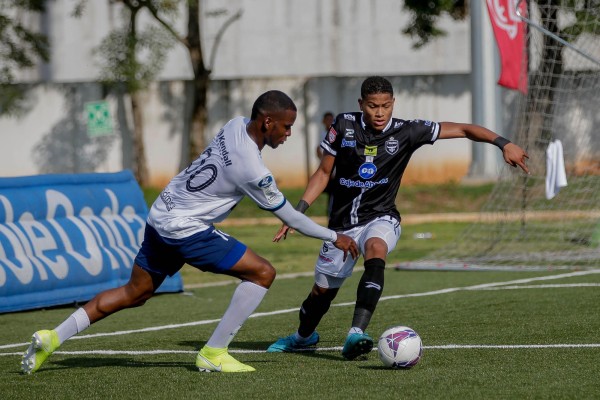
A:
{"x": 208, "y": 172}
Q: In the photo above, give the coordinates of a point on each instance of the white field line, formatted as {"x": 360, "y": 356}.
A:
{"x": 485, "y": 286}
{"x": 412, "y": 219}
{"x": 325, "y": 349}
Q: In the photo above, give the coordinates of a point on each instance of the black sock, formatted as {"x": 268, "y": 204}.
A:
{"x": 368, "y": 292}
{"x": 313, "y": 309}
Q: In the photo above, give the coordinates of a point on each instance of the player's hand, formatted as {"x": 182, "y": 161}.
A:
{"x": 514, "y": 155}
{"x": 346, "y": 244}
{"x": 282, "y": 233}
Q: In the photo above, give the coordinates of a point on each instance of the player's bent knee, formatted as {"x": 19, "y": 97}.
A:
{"x": 376, "y": 247}
{"x": 138, "y": 295}
{"x": 266, "y": 274}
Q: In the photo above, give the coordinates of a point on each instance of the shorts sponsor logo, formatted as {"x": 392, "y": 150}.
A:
{"x": 326, "y": 259}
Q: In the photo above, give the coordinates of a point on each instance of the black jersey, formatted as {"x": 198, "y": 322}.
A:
{"x": 369, "y": 166}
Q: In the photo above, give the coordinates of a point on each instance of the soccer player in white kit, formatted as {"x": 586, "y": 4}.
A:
{"x": 180, "y": 230}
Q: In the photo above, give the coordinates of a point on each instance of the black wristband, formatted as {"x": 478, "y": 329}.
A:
{"x": 302, "y": 206}
{"x": 501, "y": 142}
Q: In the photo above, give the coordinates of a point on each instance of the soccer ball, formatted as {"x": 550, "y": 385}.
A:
{"x": 400, "y": 347}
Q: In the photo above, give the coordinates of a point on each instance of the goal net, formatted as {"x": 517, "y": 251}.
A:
{"x": 520, "y": 227}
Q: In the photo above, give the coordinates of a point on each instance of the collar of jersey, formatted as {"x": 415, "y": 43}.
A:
{"x": 364, "y": 126}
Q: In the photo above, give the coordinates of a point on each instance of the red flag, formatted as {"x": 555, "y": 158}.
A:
{"x": 509, "y": 31}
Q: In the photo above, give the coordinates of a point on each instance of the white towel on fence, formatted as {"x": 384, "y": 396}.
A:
{"x": 556, "y": 177}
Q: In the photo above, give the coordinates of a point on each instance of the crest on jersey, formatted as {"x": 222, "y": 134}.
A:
{"x": 331, "y": 135}
{"x": 391, "y": 146}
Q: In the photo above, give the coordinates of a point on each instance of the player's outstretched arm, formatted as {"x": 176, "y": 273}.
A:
{"x": 512, "y": 153}
{"x": 316, "y": 185}
{"x": 308, "y": 227}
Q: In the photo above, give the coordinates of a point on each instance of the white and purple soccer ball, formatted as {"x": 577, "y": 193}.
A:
{"x": 400, "y": 347}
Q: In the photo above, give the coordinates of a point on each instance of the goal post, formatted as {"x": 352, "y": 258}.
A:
{"x": 520, "y": 227}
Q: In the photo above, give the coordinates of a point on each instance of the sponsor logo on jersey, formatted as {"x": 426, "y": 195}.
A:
{"x": 349, "y": 117}
{"x": 165, "y": 196}
{"x": 223, "y": 148}
{"x": 391, "y": 146}
{"x": 349, "y": 134}
{"x": 398, "y": 124}
{"x": 269, "y": 188}
{"x": 265, "y": 182}
{"x": 371, "y": 151}
{"x": 367, "y": 170}
{"x": 349, "y": 183}
{"x": 348, "y": 143}
{"x": 331, "y": 135}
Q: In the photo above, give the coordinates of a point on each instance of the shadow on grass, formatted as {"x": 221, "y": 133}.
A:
{"x": 101, "y": 362}
{"x": 263, "y": 346}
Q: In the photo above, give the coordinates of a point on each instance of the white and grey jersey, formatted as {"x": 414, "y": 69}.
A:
{"x": 206, "y": 192}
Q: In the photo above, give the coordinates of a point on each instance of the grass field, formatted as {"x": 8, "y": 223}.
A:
{"x": 487, "y": 335}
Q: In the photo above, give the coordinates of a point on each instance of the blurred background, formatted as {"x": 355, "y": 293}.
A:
{"x": 101, "y": 86}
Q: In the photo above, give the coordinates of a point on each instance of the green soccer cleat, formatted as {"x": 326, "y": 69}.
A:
{"x": 289, "y": 344}
{"x": 43, "y": 343}
{"x": 210, "y": 359}
{"x": 357, "y": 344}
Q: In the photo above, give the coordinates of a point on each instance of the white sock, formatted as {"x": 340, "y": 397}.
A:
{"x": 245, "y": 299}
{"x": 354, "y": 329}
{"x": 76, "y": 323}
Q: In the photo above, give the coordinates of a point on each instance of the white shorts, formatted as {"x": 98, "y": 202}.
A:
{"x": 331, "y": 270}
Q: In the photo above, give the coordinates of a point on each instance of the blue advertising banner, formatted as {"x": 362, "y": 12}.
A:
{"x": 65, "y": 238}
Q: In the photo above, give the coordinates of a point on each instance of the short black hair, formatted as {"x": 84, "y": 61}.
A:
{"x": 327, "y": 114}
{"x": 272, "y": 101}
{"x": 374, "y": 85}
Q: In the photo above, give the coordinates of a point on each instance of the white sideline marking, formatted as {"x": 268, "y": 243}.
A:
{"x": 566, "y": 285}
{"x": 485, "y": 286}
{"x": 321, "y": 349}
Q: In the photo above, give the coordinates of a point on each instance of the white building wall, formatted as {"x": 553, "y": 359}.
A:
{"x": 318, "y": 50}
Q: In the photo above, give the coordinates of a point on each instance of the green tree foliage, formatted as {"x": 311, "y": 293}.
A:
{"x": 425, "y": 15}
{"x": 20, "y": 48}
{"x": 130, "y": 60}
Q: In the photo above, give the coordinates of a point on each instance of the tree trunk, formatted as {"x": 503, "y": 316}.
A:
{"x": 199, "y": 115}
{"x": 140, "y": 167}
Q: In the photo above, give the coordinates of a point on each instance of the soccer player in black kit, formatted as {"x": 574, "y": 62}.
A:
{"x": 369, "y": 151}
